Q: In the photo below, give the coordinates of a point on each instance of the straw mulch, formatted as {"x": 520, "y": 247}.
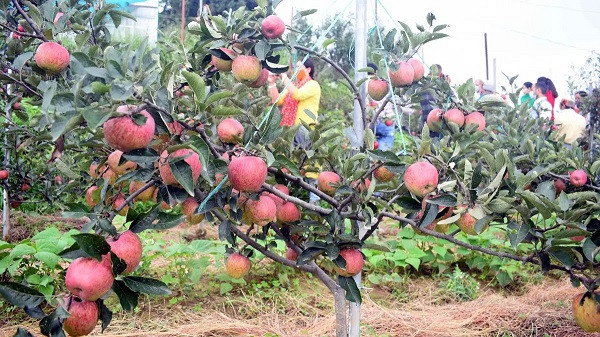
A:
{"x": 543, "y": 309}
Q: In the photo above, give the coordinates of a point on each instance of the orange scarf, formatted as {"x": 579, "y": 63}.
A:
{"x": 289, "y": 108}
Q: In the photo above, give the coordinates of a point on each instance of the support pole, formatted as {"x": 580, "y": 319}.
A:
{"x": 360, "y": 61}
{"x": 182, "y": 30}
{"x": 494, "y": 73}
{"x": 5, "y": 194}
{"x": 487, "y": 67}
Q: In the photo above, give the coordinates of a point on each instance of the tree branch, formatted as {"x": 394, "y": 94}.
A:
{"x": 299, "y": 202}
{"x": 306, "y": 186}
{"x": 380, "y": 110}
{"x": 29, "y": 21}
{"x": 18, "y": 32}
{"x": 21, "y": 83}
{"x": 567, "y": 178}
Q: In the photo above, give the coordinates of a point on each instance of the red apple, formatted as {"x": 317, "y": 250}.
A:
{"x": 578, "y": 178}
{"x": 403, "y": 76}
{"x": 272, "y": 27}
{"x": 89, "y": 278}
{"x": 191, "y": 158}
{"x": 325, "y": 181}
{"x": 123, "y": 133}
{"x": 237, "y": 265}
{"x": 128, "y": 247}
{"x": 83, "y": 317}
{"x": 421, "y": 178}
{"x": 230, "y": 131}
{"x": 247, "y": 174}
{"x": 52, "y": 57}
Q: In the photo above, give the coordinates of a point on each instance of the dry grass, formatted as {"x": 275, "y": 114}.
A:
{"x": 544, "y": 308}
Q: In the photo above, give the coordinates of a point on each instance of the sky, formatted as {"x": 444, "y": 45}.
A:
{"x": 529, "y": 38}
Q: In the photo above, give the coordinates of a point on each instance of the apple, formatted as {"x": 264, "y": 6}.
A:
{"x": 89, "y": 278}
{"x": 191, "y": 158}
{"x": 587, "y": 314}
{"x": 237, "y": 265}
{"x": 246, "y": 68}
{"x": 421, "y": 178}
{"x": 128, "y": 247}
{"x": 83, "y": 317}
{"x": 3, "y": 174}
{"x": 578, "y": 178}
{"x": 272, "y": 27}
{"x": 247, "y": 174}
{"x": 354, "y": 262}
{"x": 52, "y": 57}
{"x": 125, "y": 134}
{"x": 230, "y": 131}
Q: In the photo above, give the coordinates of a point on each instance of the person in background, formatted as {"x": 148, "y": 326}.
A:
{"x": 551, "y": 93}
{"x": 385, "y": 126}
{"x": 541, "y": 107}
{"x": 528, "y": 96}
{"x": 478, "y": 87}
{"x": 579, "y": 96}
{"x": 486, "y": 89}
{"x": 569, "y": 123}
{"x": 298, "y": 97}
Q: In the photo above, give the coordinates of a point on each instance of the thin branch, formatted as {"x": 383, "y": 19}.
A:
{"x": 345, "y": 75}
{"x": 287, "y": 240}
{"x": 15, "y": 30}
{"x": 567, "y": 179}
{"x": 204, "y": 137}
{"x": 135, "y": 194}
{"x": 21, "y": 83}
{"x": 306, "y": 186}
{"x": 29, "y": 21}
{"x": 380, "y": 110}
{"x": 299, "y": 202}
{"x": 263, "y": 250}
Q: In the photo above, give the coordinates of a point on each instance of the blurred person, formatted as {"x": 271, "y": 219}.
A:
{"x": 579, "y": 96}
{"x": 427, "y": 99}
{"x": 486, "y": 89}
{"x": 528, "y": 95}
{"x": 384, "y": 127}
{"x": 569, "y": 123}
{"x": 478, "y": 87}
{"x": 551, "y": 93}
{"x": 541, "y": 107}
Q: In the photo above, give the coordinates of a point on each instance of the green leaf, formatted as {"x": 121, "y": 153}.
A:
{"x": 287, "y": 163}
{"x": 50, "y": 259}
{"x": 21, "y": 249}
{"x": 414, "y": 262}
{"x": 564, "y": 202}
{"x": 447, "y": 200}
{"x": 217, "y": 96}
{"x": 431, "y": 212}
{"x": 309, "y": 254}
{"x": 261, "y": 49}
{"x": 222, "y": 110}
{"x": 589, "y": 249}
{"x": 127, "y": 298}
{"x": 145, "y": 221}
{"x": 95, "y": 117}
{"x": 20, "y": 60}
{"x": 408, "y": 204}
{"x": 19, "y": 295}
{"x": 183, "y": 174}
{"x": 146, "y": 285}
{"x": 121, "y": 92}
{"x": 197, "y": 84}
{"x": 327, "y": 42}
{"x": 23, "y": 333}
{"x": 352, "y": 291}
{"x": 92, "y": 244}
{"x": 105, "y": 314}
{"x": 225, "y": 287}
{"x": 142, "y": 156}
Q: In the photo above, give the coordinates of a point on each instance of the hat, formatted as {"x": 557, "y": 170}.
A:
{"x": 488, "y": 86}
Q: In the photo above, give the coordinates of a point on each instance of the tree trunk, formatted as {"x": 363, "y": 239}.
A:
{"x": 341, "y": 322}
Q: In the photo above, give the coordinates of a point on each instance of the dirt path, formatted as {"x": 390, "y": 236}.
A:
{"x": 543, "y": 309}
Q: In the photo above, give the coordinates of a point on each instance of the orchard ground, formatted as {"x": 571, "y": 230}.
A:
{"x": 277, "y": 301}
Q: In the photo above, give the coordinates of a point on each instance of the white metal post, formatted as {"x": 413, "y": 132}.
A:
{"x": 360, "y": 61}
{"x": 5, "y": 194}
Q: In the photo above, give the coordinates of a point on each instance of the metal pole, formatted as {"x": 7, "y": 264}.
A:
{"x": 182, "y": 21}
{"x": 360, "y": 61}
{"x": 494, "y": 74}
{"x": 5, "y": 194}
{"x": 487, "y": 68}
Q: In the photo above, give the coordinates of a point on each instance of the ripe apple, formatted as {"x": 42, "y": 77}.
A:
{"x": 52, "y": 57}
{"x": 247, "y": 174}
{"x": 191, "y": 158}
{"x": 421, "y": 178}
{"x": 223, "y": 64}
{"x": 246, "y": 68}
{"x": 89, "y": 278}
{"x": 291, "y": 254}
{"x": 383, "y": 174}
{"x": 418, "y": 68}
{"x": 83, "y": 317}
{"x": 25, "y": 187}
{"x": 375, "y": 145}
{"x": 3, "y": 174}
{"x": 237, "y": 265}
{"x": 89, "y": 197}
{"x": 230, "y": 131}
{"x": 16, "y": 106}
{"x": 128, "y": 247}
{"x": 587, "y": 315}
{"x": 272, "y": 27}
{"x": 559, "y": 186}
{"x": 58, "y": 180}
{"x": 325, "y": 181}
{"x": 389, "y": 122}
{"x": 261, "y": 211}
{"x": 377, "y": 89}
{"x": 288, "y": 212}
{"x": 279, "y": 201}
{"x": 467, "y": 222}
{"x": 261, "y": 80}
{"x": 113, "y": 162}
{"x": 94, "y": 170}
{"x": 578, "y": 178}
{"x": 354, "y": 262}
{"x": 20, "y": 28}
{"x": 476, "y": 118}
{"x": 118, "y": 202}
{"x": 146, "y": 195}
{"x": 123, "y": 133}
{"x": 403, "y": 76}
{"x": 434, "y": 120}
{"x": 455, "y": 116}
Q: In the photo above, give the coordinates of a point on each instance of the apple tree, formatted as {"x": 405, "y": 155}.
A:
{"x": 196, "y": 127}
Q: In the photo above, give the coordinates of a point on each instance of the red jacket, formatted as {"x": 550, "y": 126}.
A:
{"x": 551, "y": 99}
